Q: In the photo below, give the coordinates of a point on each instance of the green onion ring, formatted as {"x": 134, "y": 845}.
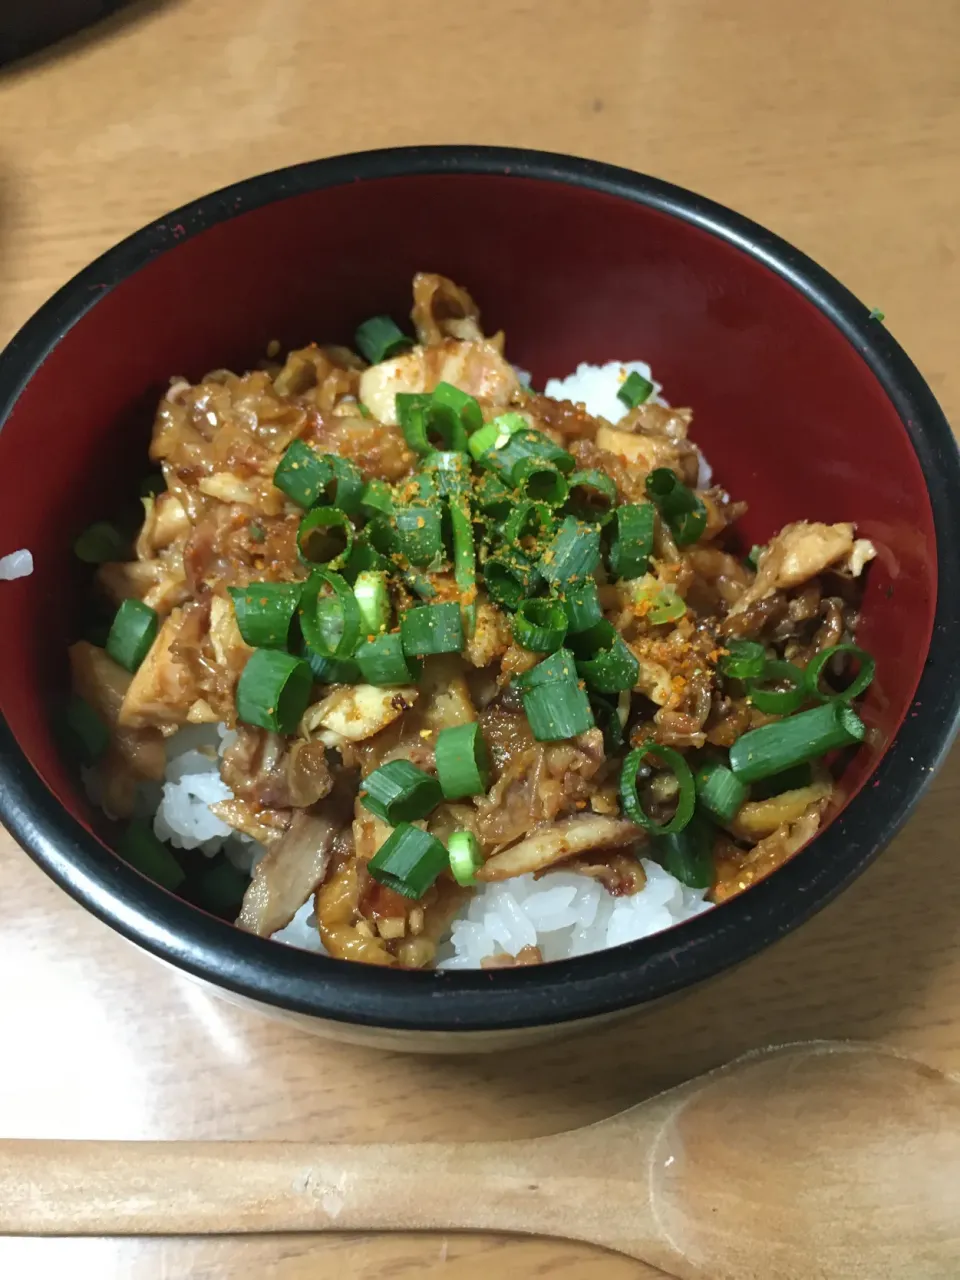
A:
{"x": 630, "y": 800}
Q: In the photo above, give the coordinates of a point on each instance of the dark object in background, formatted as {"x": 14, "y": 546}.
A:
{"x": 26, "y": 27}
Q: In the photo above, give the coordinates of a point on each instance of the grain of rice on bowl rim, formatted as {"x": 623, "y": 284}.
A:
{"x": 19, "y": 564}
{"x": 440, "y": 670}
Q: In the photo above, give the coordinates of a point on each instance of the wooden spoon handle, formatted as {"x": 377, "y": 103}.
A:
{"x": 157, "y": 1188}
{"x": 176, "y": 1188}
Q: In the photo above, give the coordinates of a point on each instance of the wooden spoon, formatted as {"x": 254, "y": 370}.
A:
{"x": 812, "y": 1161}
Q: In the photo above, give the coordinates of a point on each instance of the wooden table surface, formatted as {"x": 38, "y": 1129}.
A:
{"x": 836, "y": 124}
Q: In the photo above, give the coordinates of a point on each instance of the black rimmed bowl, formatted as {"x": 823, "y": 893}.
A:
{"x": 803, "y": 402}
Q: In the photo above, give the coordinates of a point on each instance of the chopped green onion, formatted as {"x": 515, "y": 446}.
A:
{"x": 608, "y": 721}
{"x": 744, "y": 660}
{"x": 508, "y": 577}
{"x": 418, "y": 534}
{"x": 418, "y": 584}
{"x": 302, "y": 474}
{"x": 331, "y": 670}
{"x": 450, "y": 470}
{"x": 400, "y": 792}
{"x": 447, "y": 397}
{"x": 632, "y": 542}
{"x": 423, "y": 416}
{"x": 591, "y": 492}
{"x": 802, "y": 737}
{"x": 665, "y": 604}
{"x": 370, "y": 589}
{"x": 508, "y": 424}
{"x": 423, "y": 486}
{"x": 557, "y": 709}
{"x": 541, "y": 481}
{"x": 610, "y": 670}
{"x": 221, "y": 889}
{"x": 464, "y": 559}
{"x": 87, "y": 736}
{"x": 482, "y": 441}
{"x": 683, "y": 511}
{"x": 383, "y": 662}
{"x": 687, "y": 855}
{"x": 445, "y": 424}
{"x": 101, "y": 543}
{"x": 630, "y": 800}
{"x": 420, "y": 487}
{"x": 409, "y": 861}
{"x": 133, "y": 631}
{"x": 582, "y": 603}
{"x": 463, "y": 766}
{"x": 586, "y": 644}
{"x": 446, "y": 394}
{"x": 144, "y": 851}
{"x": 854, "y": 689}
{"x": 364, "y": 411}
{"x": 264, "y": 611}
{"x": 521, "y": 444}
{"x": 753, "y": 556}
{"x": 329, "y": 613}
{"x": 463, "y": 849}
{"x": 376, "y": 499}
{"x": 365, "y": 558}
{"x": 778, "y": 702}
{"x": 432, "y": 628}
{"x": 528, "y": 519}
{"x": 379, "y": 338}
{"x": 493, "y": 497}
{"x": 559, "y": 666}
{"x": 573, "y": 554}
{"x": 540, "y": 625}
{"x": 256, "y": 531}
{"x": 800, "y": 775}
{"x": 347, "y": 487}
{"x": 412, "y": 415}
{"x": 634, "y": 390}
{"x": 720, "y": 791}
{"x": 273, "y": 690}
{"x": 876, "y": 314}
{"x": 325, "y": 536}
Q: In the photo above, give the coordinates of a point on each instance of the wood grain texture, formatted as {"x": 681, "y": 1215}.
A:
{"x": 682, "y": 1181}
{"x": 837, "y": 126}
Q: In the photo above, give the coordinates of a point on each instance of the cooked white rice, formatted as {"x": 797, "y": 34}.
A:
{"x": 18, "y": 564}
{"x": 563, "y": 913}
{"x": 595, "y": 386}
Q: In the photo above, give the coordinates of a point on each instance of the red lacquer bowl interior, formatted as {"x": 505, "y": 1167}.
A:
{"x": 787, "y": 409}
{"x": 791, "y": 418}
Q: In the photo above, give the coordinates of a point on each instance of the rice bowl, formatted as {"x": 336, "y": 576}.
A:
{"x": 658, "y": 271}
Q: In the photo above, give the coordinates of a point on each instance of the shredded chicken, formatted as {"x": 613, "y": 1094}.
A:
{"x": 288, "y": 873}
{"x": 475, "y": 367}
{"x": 798, "y": 553}
{"x": 738, "y": 870}
{"x": 557, "y": 842}
{"x": 525, "y": 956}
{"x": 442, "y": 309}
{"x": 760, "y": 818}
{"x": 356, "y": 712}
